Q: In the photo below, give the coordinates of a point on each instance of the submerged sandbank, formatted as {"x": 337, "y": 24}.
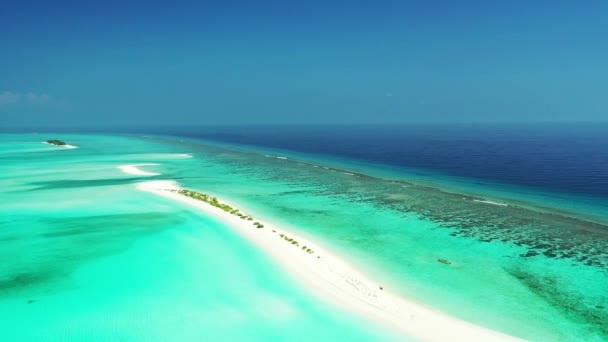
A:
{"x": 133, "y": 169}
{"x": 331, "y": 277}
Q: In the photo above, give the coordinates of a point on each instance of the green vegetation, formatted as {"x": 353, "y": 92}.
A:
{"x": 295, "y": 243}
{"x": 56, "y": 142}
{"x": 230, "y": 210}
{"x": 208, "y": 199}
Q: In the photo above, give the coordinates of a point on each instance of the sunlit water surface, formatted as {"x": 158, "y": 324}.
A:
{"x": 91, "y": 256}
{"x": 87, "y": 257}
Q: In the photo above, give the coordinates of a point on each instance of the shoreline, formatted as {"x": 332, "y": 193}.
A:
{"x": 330, "y": 277}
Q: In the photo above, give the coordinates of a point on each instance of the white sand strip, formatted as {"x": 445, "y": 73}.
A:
{"x": 333, "y": 279}
{"x": 64, "y": 146}
{"x": 490, "y": 202}
{"x": 133, "y": 169}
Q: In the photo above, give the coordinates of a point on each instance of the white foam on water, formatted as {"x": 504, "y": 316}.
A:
{"x": 490, "y": 202}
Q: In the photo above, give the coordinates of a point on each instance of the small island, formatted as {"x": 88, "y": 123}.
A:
{"x": 59, "y": 143}
{"x": 56, "y": 142}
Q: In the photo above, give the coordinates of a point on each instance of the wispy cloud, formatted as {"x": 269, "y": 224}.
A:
{"x": 8, "y": 98}
{"x": 38, "y": 98}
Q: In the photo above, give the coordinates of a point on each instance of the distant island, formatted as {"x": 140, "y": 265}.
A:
{"x": 56, "y": 142}
{"x": 60, "y": 143}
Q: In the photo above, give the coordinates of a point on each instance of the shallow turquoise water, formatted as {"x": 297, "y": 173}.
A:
{"x": 87, "y": 257}
{"x": 95, "y": 255}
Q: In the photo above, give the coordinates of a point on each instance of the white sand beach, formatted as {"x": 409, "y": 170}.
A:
{"x": 331, "y": 277}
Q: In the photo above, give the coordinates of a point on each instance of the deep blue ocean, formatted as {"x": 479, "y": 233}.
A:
{"x": 559, "y": 157}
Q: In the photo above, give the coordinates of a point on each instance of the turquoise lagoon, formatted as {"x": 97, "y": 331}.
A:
{"x": 87, "y": 257}
{"x": 91, "y": 254}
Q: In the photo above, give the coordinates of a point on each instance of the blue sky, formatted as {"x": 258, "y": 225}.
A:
{"x": 293, "y": 62}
